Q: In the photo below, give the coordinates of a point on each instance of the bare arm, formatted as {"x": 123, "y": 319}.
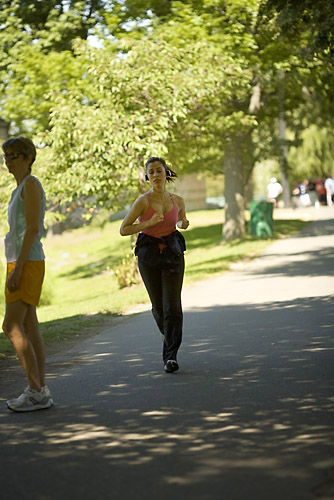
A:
{"x": 183, "y": 222}
{"x": 32, "y": 196}
{"x": 131, "y": 226}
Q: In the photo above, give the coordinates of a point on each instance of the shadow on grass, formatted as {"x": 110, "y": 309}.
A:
{"x": 212, "y": 266}
{"x": 288, "y": 227}
{"x": 202, "y": 238}
{"x": 94, "y": 268}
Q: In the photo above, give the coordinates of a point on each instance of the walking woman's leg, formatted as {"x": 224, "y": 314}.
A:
{"x": 152, "y": 280}
{"x": 32, "y": 331}
{"x": 172, "y": 311}
{"x": 13, "y": 327}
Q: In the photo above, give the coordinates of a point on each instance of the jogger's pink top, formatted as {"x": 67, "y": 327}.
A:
{"x": 166, "y": 226}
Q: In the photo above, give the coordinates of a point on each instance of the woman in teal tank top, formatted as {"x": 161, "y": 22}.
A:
{"x": 25, "y": 273}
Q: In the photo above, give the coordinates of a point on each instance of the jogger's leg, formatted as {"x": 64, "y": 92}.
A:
{"x": 153, "y": 283}
{"x": 172, "y": 311}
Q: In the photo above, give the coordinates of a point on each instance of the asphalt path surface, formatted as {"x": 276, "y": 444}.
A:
{"x": 249, "y": 415}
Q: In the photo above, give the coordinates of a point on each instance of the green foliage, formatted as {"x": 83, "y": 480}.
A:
{"x": 36, "y": 80}
{"x": 314, "y": 157}
{"x": 188, "y": 80}
{"x": 314, "y": 18}
{"x": 127, "y": 108}
{"x": 126, "y": 272}
{"x": 36, "y": 39}
{"x": 7, "y": 184}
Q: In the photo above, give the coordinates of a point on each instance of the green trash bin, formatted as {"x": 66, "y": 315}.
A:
{"x": 261, "y": 222}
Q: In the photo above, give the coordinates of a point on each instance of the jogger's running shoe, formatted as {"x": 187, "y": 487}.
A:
{"x": 171, "y": 366}
{"x": 30, "y": 400}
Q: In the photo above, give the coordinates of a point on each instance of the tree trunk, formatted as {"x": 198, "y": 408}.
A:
{"x": 239, "y": 163}
{"x": 282, "y": 136}
{"x": 283, "y": 159}
{"x": 234, "y": 226}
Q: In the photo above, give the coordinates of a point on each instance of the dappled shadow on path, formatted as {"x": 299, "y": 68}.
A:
{"x": 299, "y": 261}
{"x": 318, "y": 262}
{"x": 324, "y": 227}
{"x": 250, "y": 411}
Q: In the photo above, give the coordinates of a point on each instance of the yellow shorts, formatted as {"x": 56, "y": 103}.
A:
{"x": 31, "y": 282}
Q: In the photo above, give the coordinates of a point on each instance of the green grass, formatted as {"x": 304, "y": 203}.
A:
{"x": 82, "y": 287}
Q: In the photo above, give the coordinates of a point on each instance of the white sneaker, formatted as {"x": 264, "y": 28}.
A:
{"x": 44, "y": 388}
{"x": 11, "y": 401}
{"x": 30, "y": 400}
{"x": 47, "y": 393}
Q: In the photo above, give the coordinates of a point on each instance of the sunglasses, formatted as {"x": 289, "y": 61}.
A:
{"x": 12, "y": 156}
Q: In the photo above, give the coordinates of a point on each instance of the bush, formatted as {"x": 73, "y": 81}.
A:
{"x": 127, "y": 273}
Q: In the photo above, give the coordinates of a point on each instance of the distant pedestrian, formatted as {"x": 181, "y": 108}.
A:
{"x": 312, "y": 192}
{"x": 329, "y": 186}
{"x": 155, "y": 215}
{"x": 305, "y": 200}
{"x": 274, "y": 189}
{"x": 25, "y": 273}
{"x": 321, "y": 191}
{"x": 295, "y": 195}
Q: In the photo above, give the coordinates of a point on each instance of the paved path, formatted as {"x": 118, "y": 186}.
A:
{"x": 249, "y": 416}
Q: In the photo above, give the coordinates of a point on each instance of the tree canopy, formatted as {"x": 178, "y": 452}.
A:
{"x": 201, "y": 82}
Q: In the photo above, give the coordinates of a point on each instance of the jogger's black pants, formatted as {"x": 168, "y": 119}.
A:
{"x": 164, "y": 289}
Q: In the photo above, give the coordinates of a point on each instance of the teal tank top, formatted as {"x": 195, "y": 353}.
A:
{"x": 18, "y": 227}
